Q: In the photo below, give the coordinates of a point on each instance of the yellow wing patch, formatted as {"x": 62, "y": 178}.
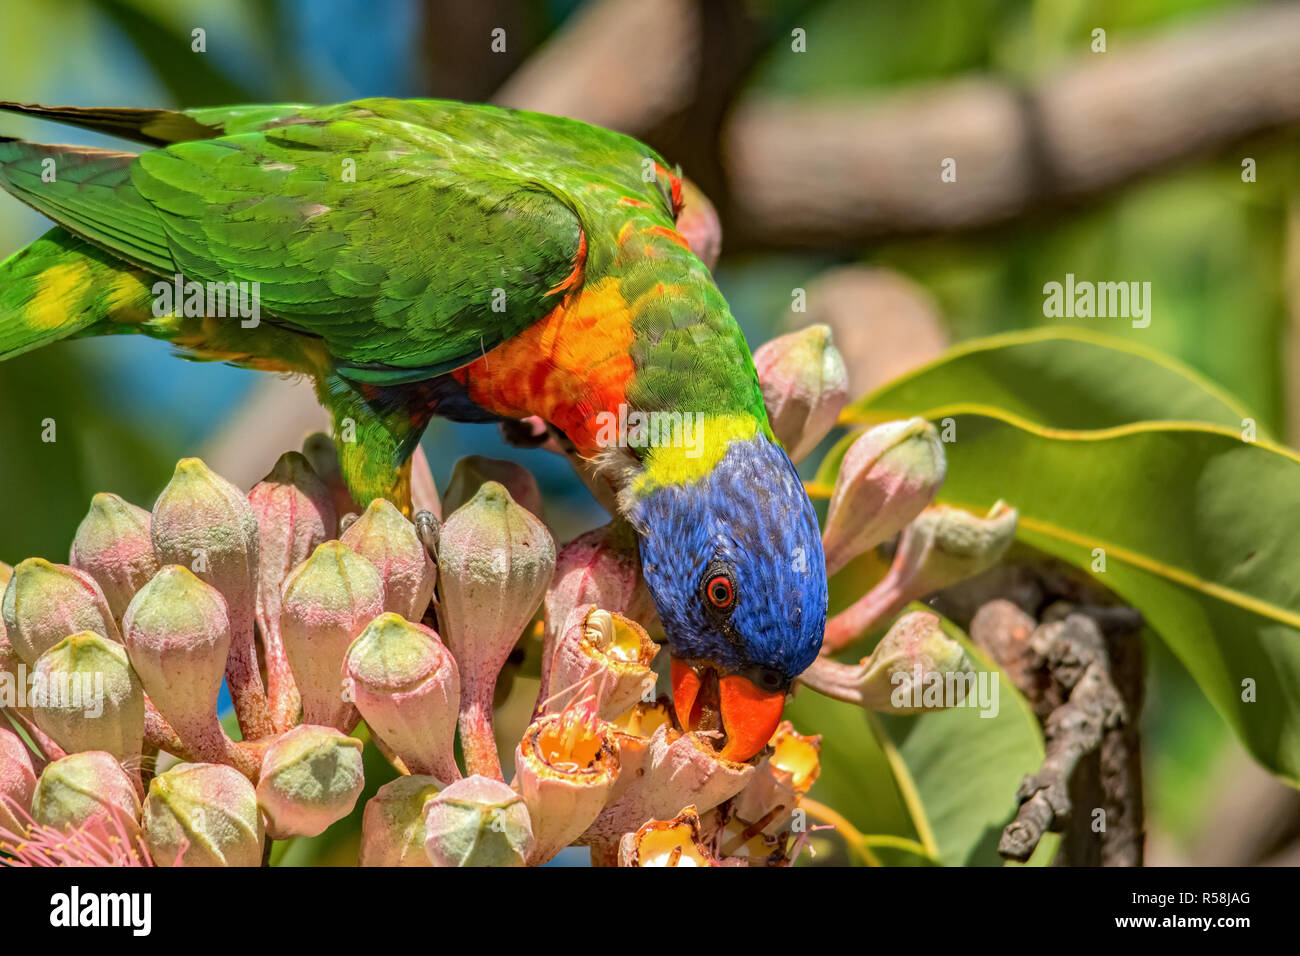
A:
{"x": 130, "y": 298}
{"x": 56, "y": 298}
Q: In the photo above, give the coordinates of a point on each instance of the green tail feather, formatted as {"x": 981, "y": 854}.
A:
{"x": 62, "y": 286}
{"x": 152, "y": 127}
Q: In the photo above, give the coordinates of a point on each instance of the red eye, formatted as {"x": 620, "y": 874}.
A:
{"x": 720, "y": 591}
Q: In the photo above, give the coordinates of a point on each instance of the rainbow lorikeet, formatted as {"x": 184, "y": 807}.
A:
{"x": 422, "y": 257}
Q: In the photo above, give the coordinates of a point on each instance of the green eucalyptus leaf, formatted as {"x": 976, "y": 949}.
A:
{"x": 1189, "y": 523}
{"x": 945, "y": 779}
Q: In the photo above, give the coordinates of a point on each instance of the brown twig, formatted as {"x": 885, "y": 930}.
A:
{"x": 1075, "y": 655}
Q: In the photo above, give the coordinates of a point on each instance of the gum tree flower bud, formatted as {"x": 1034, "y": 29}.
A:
{"x": 496, "y": 560}
{"x": 388, "y": 541}
{"x": 888, "y": 475}
{"x": 946, "y": 545}
{"x": 916, "y": 667}
{"x": 328, "y": 600}
{"x": 804, "y": 387}
{"x": 17, "y": 781}
{"x": 478, "y": 821}
{"x": 204, "y": 523}
{"x": 565, "y": 768}
{"x": 940, "y": 548}
{"x": 311, "y": 777}
{"x": 323, "y": 455}
{"x": 113, "y": 546}
{"x": 295, "y": 512}
{"x": 178, "y": 636}
{"x": 82, "y": 787}
{"x": 203, "y": 814}
{"x": 86, "y": 696}
{"x": 392, "y": 826}
{"x": 605, "y": 655}
{"x": 45, "y": 602}
{"x": 408, "y": 690}
{"x": 601, "y": 567}
{"x": 699, "y": 224}
{"x": 469, "y": 474}
{"x": 675, "y": 842}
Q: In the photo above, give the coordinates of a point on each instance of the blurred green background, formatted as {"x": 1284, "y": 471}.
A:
{"x": 1215, "y": 249}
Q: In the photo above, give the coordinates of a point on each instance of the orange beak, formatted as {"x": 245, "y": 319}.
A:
{"x": 746, "y": 716}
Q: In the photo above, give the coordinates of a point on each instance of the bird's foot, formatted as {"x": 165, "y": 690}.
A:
{"x": 428, "y": 529}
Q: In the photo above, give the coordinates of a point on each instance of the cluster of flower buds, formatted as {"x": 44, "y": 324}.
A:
{"x": 327, "y": 623}
{"x": 885, "y": 487}
{"x": 884, "y": 491}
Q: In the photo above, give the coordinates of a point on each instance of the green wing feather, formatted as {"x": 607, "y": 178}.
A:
{"x": 433, "y": 255}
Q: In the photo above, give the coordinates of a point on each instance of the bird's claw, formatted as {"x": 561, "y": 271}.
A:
{"x": 428, "y": 529}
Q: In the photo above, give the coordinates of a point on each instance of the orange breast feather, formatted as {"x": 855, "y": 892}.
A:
{"x": 566, "y": 367}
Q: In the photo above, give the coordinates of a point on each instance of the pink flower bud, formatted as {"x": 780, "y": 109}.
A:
{"x": 178, "y": 635}
{"x": 408, "y": 690}
{"x": 45, "y": 602}
{"x": 328, "y": 600}
{"x": 295, "y": 513}
{"x": 388, "y": 541}
{"x": 496, "y": 560}
{"x": 940, "y": 548}
{"x": 604, "y": 655}
{"x": 804, "y": 387}
{"x": 204, "y": 523}
{"x": 86, "y": 697}
{"x": 946, "y": 545}
{"x": 392, "y": 827}
{"x": 888, "y": 475}
{"x": 113, "y": 546}
{"x": 565, "y": 768}
{"x": 203, "y": 814}
{"x": 675, "y": 842}
{"x": 901, "y": 676}
{"x": 17, "y": 781}
{"x": 699, "y": 224}
{"x": 311, "y": 778}
{"x": 601, "y": 567}
{"x": 82, "y": 787}
{"x": 478, "y": 821}
{"x": 469, "y": 474}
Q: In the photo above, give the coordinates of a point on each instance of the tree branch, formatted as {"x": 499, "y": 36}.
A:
{"x": 821, "y": 173}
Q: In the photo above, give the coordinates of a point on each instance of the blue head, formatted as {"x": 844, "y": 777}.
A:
{"x": 734, "y": 563}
